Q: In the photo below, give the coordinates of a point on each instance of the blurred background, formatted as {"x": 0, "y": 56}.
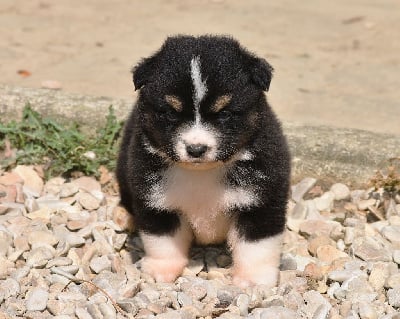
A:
{"x": 336, "y": 63}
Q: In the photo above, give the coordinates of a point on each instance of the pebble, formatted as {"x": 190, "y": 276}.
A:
{"x": 40, "y": 237}
{"x": 364, "y": 204}
{"x": 396, "y": 256}
{"x": 88, "y": 201}
{"x": 392, "y": 233}
{"x": 394, "y": 297}
{"x": 325, "y": 202}
{"x": 316, "y": 306}
{"x": 9, "y": 288}
{"x": 300, "y": 189}
{"x": 32, "y": 181}
{"x": 277, "y": 312}
{"x": 367, "y": 248}
{"x": 37, "y": 299}
{"x": 98, "y": 264}
{"x": 328, "y": 253}
{"x": 341, "y": 191}
{"x": 335, "y": 265}
{"x": 68, "y": 190}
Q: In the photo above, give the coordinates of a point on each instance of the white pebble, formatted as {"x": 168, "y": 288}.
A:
{"x": 37, "y": 299}
{"x": 340, "y": 190}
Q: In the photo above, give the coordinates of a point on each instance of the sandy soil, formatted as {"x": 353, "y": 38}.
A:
{"x": 337, "y": 62}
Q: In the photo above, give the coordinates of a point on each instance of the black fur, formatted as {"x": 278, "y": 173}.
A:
{"x": 246, "y": 123}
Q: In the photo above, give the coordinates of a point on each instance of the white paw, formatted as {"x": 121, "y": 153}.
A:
{"x": 163, "y": 270}
{"x": 261, "y": 275}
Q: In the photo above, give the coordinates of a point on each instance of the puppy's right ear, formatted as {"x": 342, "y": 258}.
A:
{"x": 144, "y": 71}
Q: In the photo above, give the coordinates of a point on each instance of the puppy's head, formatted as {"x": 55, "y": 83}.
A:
{"x": 200, "y": 99}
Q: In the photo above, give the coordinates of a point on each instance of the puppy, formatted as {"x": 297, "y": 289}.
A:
{"x": 203, "y": 158}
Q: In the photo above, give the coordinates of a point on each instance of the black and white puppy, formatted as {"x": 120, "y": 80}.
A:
{"x": 203, "y": 158}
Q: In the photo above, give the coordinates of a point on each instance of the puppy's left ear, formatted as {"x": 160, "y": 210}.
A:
{"x": 261, "y": 72}
{"x": 143, "y": 72}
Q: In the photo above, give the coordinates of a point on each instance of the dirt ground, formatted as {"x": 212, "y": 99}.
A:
{"x": 336, "y": 62}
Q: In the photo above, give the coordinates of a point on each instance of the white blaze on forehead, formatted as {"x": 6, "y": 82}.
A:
{"x": 200, "y": 88}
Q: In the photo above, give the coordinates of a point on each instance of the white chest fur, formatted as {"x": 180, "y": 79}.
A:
{"x": 202, "y": 197}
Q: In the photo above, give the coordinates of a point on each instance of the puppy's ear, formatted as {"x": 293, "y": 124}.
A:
{"x": 144, "y": 71}
{"x": 261, "y": 72}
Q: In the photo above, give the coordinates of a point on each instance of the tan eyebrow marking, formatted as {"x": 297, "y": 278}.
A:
{"x": 174, "y": 102}
{"x": 221, "y": 102}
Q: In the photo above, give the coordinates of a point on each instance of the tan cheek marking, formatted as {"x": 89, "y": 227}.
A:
{"x": 174, "y": 102}
{"x": 221, "y": 102}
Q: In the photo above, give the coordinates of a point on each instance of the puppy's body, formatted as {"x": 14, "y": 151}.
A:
{"x": 203, "y": 158}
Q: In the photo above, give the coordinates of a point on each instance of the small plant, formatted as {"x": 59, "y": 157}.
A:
{"x": 389, "y": 179}
{"x": 60, "y": 149}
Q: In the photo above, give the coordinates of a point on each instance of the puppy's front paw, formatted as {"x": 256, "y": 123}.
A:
{"x": 260, "y": 275}
{"x": 163, "y": 270}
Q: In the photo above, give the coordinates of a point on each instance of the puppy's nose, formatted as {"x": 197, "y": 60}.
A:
{"x": 196, "y": 150}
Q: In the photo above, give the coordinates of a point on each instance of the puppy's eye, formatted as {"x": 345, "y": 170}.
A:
{"x": 174, "y": 102}
{"x": 221, "y": 102}
{"x": 224, "y": 115}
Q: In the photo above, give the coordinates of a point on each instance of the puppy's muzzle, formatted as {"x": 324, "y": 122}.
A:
{"x": 196, "y": 150}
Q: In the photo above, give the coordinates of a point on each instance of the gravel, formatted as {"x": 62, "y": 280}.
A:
{"x": 65, "y": 254}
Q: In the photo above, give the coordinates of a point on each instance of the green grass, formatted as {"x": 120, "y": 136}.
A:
{"x": 60, "y": 149}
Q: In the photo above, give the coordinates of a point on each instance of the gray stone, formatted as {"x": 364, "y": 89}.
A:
{"x": 88, "y": 201}
{"x": 39, "y": 257}
{"x": 94, "y": 311}
{"x": 325, "y": 202}
{"x": 21, "y": 272}
{"x": 70, "y": 269}
{"x": 59, "y": 261}
{"x": 288, "y": 262}
{"x": 392, "y": 233}
{"x": 98, "y": 264}
{"x": 316, "y": 306}
{"x": 391, "y": 209}
{"x": 365, "y": 203}
{"x": 393, "y": 281}
{"x": 6, "y": 240}
{"x": 40, "y": 237}
{"x": 300, "y": 189}
{"x": 107, "y": 310}
{"x": 227, "y": 294}
{"x": 184, "y": 299}
{"x": 74, "y": 240}
{"x": 59, "y": 307}
{"x": 242, "y": 302}
{"x": 345, "y": 274}
{"x": 68, "y": 189}
{"x": 128, "y": 305}
{"x": 174, "y": 314}
{"x": 396, "y": 256}
{"x": 196, "y": 291}
{"x": 378, "y": 275}
{"x": 37, "y": 299}
{"x": 299, "y": 211}
{"x": 394, "y": 297}
{"x": 341, "y": 191}
{"x": 152, "y": 294}
{"x": 119, "y": 241}
{"x": 276, "y": 312}
{"x": 82, "y": 313}
{"x": 367, "y": 311}
{"x": 367, "y": 248}
{"x": 9, "y": 288}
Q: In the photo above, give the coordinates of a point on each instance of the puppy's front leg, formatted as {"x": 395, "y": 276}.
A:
{"x": 256, "y": 248}
{"x": 166, "y": 241}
